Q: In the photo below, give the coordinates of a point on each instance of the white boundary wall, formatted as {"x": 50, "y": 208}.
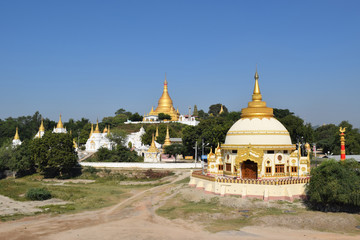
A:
{"x": 141, "y": 165}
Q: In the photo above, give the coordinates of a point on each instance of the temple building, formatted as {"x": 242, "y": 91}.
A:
{"x": 97, "y": 139}
{"x": 16, "y": 141}
{"x": 153, "y": 153}
{"x": 41, "y": 131}
{"x": 257, "y": 150}
{"x": 59, "y": 127}
{"x": 133, "y": 141}
{"x": 165, "y": 105}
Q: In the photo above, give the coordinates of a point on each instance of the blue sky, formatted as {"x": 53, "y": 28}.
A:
{"x": 90, "y": 58}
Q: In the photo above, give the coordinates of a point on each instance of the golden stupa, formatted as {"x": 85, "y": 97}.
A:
{"x": 165, "y": 105}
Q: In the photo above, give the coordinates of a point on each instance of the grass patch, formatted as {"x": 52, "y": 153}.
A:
{"x": 105, "y": 191}
{"x": 216, "y": 217}
{"x": 185, "y": 180}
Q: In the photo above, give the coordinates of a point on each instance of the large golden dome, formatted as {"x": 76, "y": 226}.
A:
{"x": 258, "y": 127}
{"x": 165, "y": 104}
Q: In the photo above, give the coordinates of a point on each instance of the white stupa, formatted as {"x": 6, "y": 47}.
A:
{"x": 60, "y": 127}
{"x": 97, "y": 139}
{"x": 41, "y": 131}
{"x": 16, "y": 141}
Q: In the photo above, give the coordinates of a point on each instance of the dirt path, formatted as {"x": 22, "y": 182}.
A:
{"x": 135, "y": 218}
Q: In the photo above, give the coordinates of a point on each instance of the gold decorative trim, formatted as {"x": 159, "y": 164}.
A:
{"x": 260, "y": 146}
{"x": 258, "y": 132}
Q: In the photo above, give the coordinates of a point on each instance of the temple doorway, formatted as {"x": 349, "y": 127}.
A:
{"x": 249, "y": 170}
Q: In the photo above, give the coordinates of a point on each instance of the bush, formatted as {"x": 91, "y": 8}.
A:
{"x": 38, "y": 194}
{"x": 158, "y": 174}
{"x": 335, "y": 186}
{"x": 90, "y": 169}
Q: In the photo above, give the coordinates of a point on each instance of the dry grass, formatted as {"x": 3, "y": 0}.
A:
{"x": 217, "y": 213}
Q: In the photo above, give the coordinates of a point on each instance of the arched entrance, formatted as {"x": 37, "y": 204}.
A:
{"x": 249, "y": 170}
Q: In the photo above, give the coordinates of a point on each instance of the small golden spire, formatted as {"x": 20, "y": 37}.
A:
{"x": 97, "y": 130}
{"x": 221, "y": 109}
{"x": 157, "y": 132}
{"x": 60, "y": 124}
{"x": 167, "y": 138}
{"x": 177, "y": 111}
{"x": 256, "y": 94}
{"x": 152, "y": 148}
{"x": 165, "y": 82}
{"x": 108, "y": 129}
{"x": 257, "y": 108}
{"x": 152, "y": 111}
{"x": 105, "y": 130}
{"x": 42, "y": 128}
{"x": 16, "y": 137}
{"x": 92, "y": 130}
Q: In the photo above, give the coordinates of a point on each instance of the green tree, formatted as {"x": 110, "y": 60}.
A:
{"x": 195, "y": 112}
{"x": 123, "y": 111}
{"x": 174, "y": 150}
{"x": 117, "y": 136}
{"x": 163, "y": 116}
{"x": 118, "y": 154}
{"x": 352, "y": 139}
{"x": 190, "y": 136}
{"x": 54, "y": 154}
{"x": 135, "y": 117}
{"x": 21, "y": 161}
{"x": 281, "y": 113}
{"x": 325, "y": 137}
{"x": 5, "y": 155}
{"x": 202, "y": 114}
{"x": 334, "y": 186}
{"x": 297, "y": 129}
{"x": 215, "y": 109}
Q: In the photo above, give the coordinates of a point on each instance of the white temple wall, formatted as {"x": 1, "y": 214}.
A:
{"x": 141, "y": 165}
{"x": 287, "y": 192}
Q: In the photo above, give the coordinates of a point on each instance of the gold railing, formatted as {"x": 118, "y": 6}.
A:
{"x": 199, "y": 174}
{"x": 284, "y": 181}
{"x": 265, "y": 181}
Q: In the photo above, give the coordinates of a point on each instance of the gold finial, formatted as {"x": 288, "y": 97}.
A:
{"x": 152, "y": 111}
{"x": 256, "y": 94}
{"x": 105, "y": 130}
{"x": 60, "y": 124}
{"x": 165, "y": 82}
{"x": 177, "y": 111}
{"x": 152, "y": 148}
{"x": 167, "y": 138}
{"x": 108, "y": 129}
{"x": 16, "y": 137}
{"x": 42, "y": 128}
{"x": 92, "y": 130}
{"x": 97, "y": 130}
{"x": 342, "y": 130}
{"x": 257, "y": 107}
{"x": 221, "y": 109}
{"x": 157, "y": 132}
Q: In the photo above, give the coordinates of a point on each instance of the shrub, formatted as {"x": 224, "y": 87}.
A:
{"x": 90, "y": 169}
{"x": 38, "y": 194}
{"x": 335, "y": 186}
{"x": 158, "y": 174}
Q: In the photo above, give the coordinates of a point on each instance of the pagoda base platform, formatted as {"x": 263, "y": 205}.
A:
{"x": 265, "y": 190}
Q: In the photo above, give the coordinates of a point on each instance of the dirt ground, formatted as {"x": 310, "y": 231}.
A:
{"x": 9, "y": 206}
{"x": 135, "y": 218}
